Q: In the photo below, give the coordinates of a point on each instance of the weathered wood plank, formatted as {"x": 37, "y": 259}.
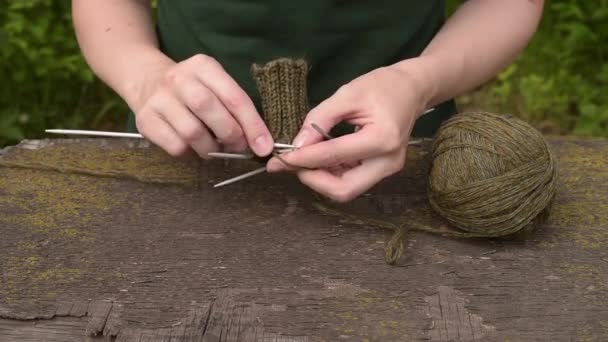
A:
{"x": 256, "y": 262}
{"x": 452, "y": 321}
{"x": 63, "y": 329}
{"x": 98, "y": 313}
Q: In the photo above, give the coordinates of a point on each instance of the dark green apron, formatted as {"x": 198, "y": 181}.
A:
{"x": 340, "y": 39}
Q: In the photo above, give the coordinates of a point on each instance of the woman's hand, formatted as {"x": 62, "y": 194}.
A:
{"x": 383, "y": 105}
{"x": 196, "y": 105}
{"x": 474, "y": 45}
{"x": 192, "y": 105}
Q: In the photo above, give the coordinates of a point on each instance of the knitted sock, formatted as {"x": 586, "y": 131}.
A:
{"x": 282, "y": 86}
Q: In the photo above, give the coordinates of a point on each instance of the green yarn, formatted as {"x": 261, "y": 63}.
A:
{"x": 491, "y": 175}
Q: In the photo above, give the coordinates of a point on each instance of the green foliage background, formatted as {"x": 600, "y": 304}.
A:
{"x": 45, "y": 81}
{"x": 558, "y": 84}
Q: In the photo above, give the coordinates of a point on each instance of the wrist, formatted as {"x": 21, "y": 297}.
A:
{"x": 145, "y": 73}
{"x": 420, "y": 73}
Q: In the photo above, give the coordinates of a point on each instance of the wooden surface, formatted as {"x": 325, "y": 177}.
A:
{"x": 147, "y": 250}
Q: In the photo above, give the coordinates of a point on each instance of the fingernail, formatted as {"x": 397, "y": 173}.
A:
{"x": 300, "y": 139}
{"x": 263, "y": 144}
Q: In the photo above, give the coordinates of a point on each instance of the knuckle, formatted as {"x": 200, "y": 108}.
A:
{"x": 158, "y": 99}
{"x": 177, "y": 149}
{"x": 143, "y": 119}
{"x": 344, "y": 90}
{"x": 391, "y": 140}
{"x": 235, "y": 101}
{"x": 233, "y": 135}
{"x": 201, "y": 101}
{"x": 192, "y": 133}
{"x": 204, "y": 60}
{"x": 332, "y": 159}
{"x": 172, "y": 76}
{"x": 238, "y": 146}
{"x": 254, "y": 128}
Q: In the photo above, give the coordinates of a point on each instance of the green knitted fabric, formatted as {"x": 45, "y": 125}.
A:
{"x": 282, "y": 87}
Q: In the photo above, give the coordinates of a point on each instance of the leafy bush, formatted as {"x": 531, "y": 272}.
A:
{"x": 46, "y": 82}
{"x": 558, "y": 83}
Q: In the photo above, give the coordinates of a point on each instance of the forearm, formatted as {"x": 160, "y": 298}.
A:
{"x": 475, "y": 44}
{"x": 118, "y": 41}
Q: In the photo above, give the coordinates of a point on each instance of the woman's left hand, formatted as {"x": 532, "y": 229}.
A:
{"x": 383, "y": 105}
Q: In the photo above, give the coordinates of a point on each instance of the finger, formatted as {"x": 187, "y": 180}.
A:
{"x": 159, "y": 132}
{"x": 326, "y": 115}
{"x": 238, "y": 103}
{"x": 279, "y": 164}
{"x": 350, "y": 148}
{"x": 351, "y": 183}
{"x": 207, "y": 107}
{"x": 187, "y": 126}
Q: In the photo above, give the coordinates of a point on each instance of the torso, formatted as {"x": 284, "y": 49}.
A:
{"x": 340, "y": 39}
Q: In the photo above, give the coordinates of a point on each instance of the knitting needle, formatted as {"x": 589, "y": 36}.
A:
{"x": 241, "y": 177}
{"x": 428, "y": 110}
{"x": 229, "y": 155}
{"x": 95, "y": 133}
{"x": 122, "y": 135}
{"x": 329, "y": 137}
{"x": 285, "y": 148}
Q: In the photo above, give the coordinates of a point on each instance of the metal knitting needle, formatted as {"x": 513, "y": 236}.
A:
{"x": 285, "y": 148}
{"x": 121, "y": 135}
{"x": 229, "y": 155}
{"x": 95, "y": 133}
{"x": 329, "y": 137}
{"x": 241, "y": 177}
{"x": 319, "y": 130}
{"x": 428, "y": 110}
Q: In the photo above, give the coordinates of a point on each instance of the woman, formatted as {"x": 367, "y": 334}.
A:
{"x": 374, "y": 64}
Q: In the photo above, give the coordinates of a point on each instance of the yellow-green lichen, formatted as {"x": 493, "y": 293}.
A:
{"x": 58, "y": 274}
{"x": 27, "y": 246}
{"x": 348, "y": 316}
{"x": 144, "y": 164}
{"x": 47, "y": 202}
{"x": 75, "y": 233}
{"x": 590, "y": 332}
{"x": 43, "y": 208}
{"x": 580, "y": 213}
{"x": 604, "y": 327}
{"x": 385, "y": 327}
{"x": 31, "y": 261}
{"x": 589, "y": 277}
{"x": 365, "y": 319}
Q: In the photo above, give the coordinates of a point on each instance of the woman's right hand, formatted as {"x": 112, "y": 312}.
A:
{"x": 196, "y": 106}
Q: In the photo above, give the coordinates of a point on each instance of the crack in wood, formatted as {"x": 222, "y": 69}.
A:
{"x": 451, "y": 321}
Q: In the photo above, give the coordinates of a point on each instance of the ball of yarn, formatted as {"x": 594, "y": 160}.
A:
{"x": 491, "y": 175}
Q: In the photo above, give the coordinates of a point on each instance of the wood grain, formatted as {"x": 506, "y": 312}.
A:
{"x": 114, "y": 258}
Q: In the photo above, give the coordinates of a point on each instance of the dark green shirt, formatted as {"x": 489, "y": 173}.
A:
{"x": 340, "y": 39}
